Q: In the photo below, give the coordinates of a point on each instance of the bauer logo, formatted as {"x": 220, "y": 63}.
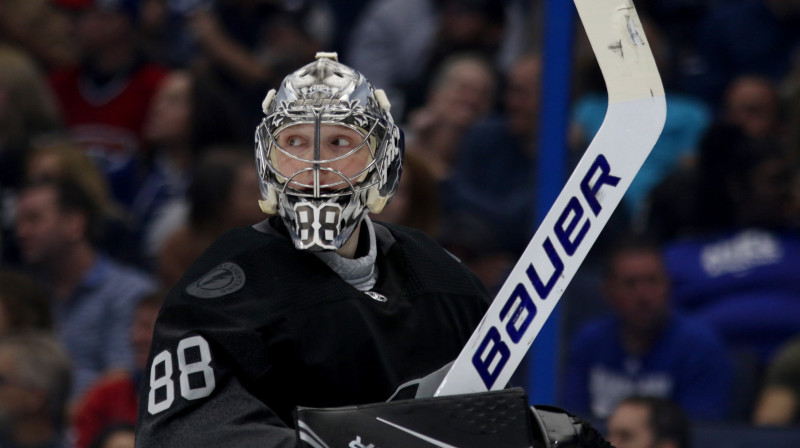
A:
{"x": 222, "y": 280}
{"x": 519, "y": 308}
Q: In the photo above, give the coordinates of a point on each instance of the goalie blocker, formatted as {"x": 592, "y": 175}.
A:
{"x": 498, "y": 419}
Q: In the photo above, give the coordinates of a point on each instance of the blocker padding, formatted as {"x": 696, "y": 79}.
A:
{"x": 498, "y": 419}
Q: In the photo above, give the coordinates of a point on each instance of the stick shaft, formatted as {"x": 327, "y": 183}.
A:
{"x": 633, "y": 123}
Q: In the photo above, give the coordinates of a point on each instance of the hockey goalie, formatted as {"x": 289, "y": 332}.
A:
{"x": 296, "y": 331}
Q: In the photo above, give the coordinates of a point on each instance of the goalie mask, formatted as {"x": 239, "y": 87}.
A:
{"x": 327, "y": 153}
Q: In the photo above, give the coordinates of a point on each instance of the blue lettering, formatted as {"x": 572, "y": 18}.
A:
{"x": 493, "y": 353}
{"x": 541, "y": 288}
{"x": 563, "y": 234}
{"x": 525, "y": 304}
{"x": 590, "y": 191}
{"x": 484, "y": 364}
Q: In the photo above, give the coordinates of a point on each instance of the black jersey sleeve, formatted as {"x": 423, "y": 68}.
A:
{"x": 195, "y": 392}
{"x": 231, "y": 417}
{"x": 202, "y": 386}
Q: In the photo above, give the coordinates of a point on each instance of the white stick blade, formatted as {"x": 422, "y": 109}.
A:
{"x": 633, "y": 123}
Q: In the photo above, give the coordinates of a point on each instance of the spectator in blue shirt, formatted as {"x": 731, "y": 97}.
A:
{"x": 739, "y": 272}
{"x": 92, "y": 296}
{"x": 645, "y": 348}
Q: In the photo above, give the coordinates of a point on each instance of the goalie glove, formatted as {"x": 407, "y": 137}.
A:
{"x": 499, "y": 419}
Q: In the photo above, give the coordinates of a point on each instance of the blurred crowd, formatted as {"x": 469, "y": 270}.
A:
{"x": 126, "y": 148}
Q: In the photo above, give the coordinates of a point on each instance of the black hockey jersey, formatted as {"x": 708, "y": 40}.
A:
{"x": 256, "y": 328}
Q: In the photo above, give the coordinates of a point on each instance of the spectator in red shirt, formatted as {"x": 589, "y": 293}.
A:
{"x": 104, "y": 99}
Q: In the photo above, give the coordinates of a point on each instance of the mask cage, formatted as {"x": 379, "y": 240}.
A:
{"x": 373, "y": 132}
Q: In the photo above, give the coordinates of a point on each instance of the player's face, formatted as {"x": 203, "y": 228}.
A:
{"x": 341, "y": 150}
{"x": 628, "y": 428}
{"x": 638, "y": 288}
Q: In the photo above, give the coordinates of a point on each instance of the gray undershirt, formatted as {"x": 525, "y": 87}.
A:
{"x": 359, "y": 272}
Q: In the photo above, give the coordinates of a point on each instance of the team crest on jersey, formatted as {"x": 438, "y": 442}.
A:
{"x": 222, "y": 280}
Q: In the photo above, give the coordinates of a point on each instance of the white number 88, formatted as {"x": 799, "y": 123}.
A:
{"x": 165, "y": 380}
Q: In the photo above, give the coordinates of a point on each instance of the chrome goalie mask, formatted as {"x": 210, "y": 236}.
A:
{"x": 327, "y": 153}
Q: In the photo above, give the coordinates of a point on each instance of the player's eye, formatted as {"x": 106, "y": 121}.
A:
{"x": 295, "y": 141}
{"x": 341, "y": 142}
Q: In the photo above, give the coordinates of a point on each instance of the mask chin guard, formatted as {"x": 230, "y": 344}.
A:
{"x": 270, "y": 204}
{"x": 375, "y": 202}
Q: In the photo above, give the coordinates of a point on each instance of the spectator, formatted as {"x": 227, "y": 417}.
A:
{"x": 34, "y": 392}
{"x": 92, "y": 296}
{"x": 114, "y": 400}
{"x": 39, "y": 28}
{"x": 702, "y": 200}
{"x": 61, "y": 159}
{"x": 402, "y": 62}
{"x": 461, "y": 93}
{"x": 168, "y": 129}
{"x": 249, "y": 46}
{"x": 121, "y": 435}
{"x": 727, "y": 47}
{"x": 645, "y": 347}
{"x": 27, "y": 111}
{"x": 104, "y": 100}
{"x": 474, "y": 243}
{"x": 754, "y": 104}
{"x": 163, "y": 31}
{"x": 648, "y": 422}
{"x": 496, "y": 150}
{"x": 417, "y": 202}
{"x": 23, "y": 304}
{"x": 189, "y": 113}
{"x": 740, "y": 275}
{"x": 224, "y": 194}
{"x": 779, "y": 400}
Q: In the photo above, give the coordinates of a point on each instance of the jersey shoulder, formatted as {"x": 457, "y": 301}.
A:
{"x": 430, "y": 268}
{"x": 251, "y": 274}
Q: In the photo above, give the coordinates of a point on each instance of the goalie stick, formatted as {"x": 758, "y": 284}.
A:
{"x": 633, "y": 122}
